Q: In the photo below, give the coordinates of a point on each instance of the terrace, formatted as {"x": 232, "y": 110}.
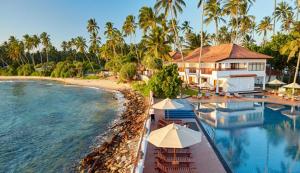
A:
{"x": 203, "y": 157}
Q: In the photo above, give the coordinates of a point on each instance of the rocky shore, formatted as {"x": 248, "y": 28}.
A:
{"x": 118, "y": 152}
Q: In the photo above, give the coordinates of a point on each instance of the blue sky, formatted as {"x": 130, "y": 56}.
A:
{"x": 64, "y": 19}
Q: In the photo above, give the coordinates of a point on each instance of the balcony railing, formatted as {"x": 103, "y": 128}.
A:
{"x": 210, "y": 70}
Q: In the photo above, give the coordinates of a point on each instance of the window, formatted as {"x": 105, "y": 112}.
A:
{"x": 256, "y": 66}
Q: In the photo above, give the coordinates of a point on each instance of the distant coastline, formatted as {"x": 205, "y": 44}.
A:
{"x": 99, "y": 83}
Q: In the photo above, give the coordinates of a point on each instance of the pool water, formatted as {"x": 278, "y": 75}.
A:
{"x": 49, "y": 127}
{"x": 253, "y": 138}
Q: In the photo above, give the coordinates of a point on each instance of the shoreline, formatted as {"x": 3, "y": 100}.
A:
{"x": 109, "y": 85}
{"x": 116, "y": 149}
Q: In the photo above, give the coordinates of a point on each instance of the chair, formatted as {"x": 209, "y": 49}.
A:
{"x": 228, "y": 95}
{"x": 237, "y": 95}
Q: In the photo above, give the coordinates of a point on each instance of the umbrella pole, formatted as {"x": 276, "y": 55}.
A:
{"x": 174, "y": 154}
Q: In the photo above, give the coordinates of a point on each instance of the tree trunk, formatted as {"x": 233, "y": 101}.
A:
{"x": 296, "y": 74}
{"x": 178, "y": 43}
{"x": 274, "y": 20}
{"x": 89, "y": 61}
{"x": 47, "y": 56}
{"x": 201, "y": 46}
{"x": 217, "y": 32}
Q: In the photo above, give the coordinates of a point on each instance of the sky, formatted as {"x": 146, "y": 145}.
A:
{"x": 65, "y": 19}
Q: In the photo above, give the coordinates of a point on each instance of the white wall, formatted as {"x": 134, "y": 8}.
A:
{"x": 239, "y": 84}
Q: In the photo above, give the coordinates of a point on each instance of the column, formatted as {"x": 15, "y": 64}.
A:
{"x": 217, "y": 86}
{"x": 264, "y": 82}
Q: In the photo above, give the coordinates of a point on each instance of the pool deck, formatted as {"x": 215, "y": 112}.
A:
{"x": 270, "y": 98}
{"x": 204, "y": 158}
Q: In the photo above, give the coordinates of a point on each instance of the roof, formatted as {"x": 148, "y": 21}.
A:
{"x": 175, "y": 55}
{"x": 222, "y": 52}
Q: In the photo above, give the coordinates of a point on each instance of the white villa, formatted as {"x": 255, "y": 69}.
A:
{"x": 227, "y": 67}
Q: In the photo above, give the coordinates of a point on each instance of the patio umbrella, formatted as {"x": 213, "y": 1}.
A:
{"x": 276, "y": 82}
{"x": 174, "y": 136}
{"x": 167, "y": 104}
{"x": 292, "y": 85}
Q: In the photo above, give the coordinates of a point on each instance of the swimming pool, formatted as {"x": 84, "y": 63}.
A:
{"x": 251, "y": 137}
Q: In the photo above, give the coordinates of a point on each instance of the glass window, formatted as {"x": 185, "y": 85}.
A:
{"x": 256, "y": 66}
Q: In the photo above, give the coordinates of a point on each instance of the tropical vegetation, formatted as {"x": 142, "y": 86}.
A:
{"x": 162, "y": 33}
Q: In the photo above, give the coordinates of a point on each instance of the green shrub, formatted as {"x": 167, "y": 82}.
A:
{"x": 128, "y": 71}
{"x": 8, "y": 71}
{"x": 141, "y": 87}
{"x": 25, "y": 70}
{"x": 166, "y": 83}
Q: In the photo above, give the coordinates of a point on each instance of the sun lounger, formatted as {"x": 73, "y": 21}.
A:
{"x": 237, "y": 95}
{"x": 228, "y": 95}
{"x": 167, "y": 168}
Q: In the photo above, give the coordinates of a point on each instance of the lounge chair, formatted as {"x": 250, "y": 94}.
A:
{"x": 237, "y": 95}
{"x": 228, "y": 95}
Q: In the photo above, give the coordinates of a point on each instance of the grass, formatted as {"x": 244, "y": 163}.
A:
{"x": 189, "y": 91}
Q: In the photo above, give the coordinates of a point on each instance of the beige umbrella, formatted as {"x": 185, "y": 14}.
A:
{"x": 276, "y": 82}
{"x": 292, "y": 85}
{"x": 174, "y": 136}
{"x": 167, "y": 104}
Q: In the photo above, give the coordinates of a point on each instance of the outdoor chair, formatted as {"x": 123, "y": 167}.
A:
{"x": 237, "y": 95}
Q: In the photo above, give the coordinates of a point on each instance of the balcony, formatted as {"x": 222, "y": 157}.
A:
{"x": 210, "y": 70}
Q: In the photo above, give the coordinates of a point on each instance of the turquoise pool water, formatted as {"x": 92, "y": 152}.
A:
{"x": 48, "y": 127}
{"x": 253, "y": 138}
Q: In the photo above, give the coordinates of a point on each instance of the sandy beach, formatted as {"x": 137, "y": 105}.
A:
{"x": 100, "y": 83}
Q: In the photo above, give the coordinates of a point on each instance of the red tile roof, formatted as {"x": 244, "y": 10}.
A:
{"x": 175, "y": 55}
{"x": 222, "y": 52}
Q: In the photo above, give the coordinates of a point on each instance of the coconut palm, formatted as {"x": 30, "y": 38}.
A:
{"x": 15, "y": 50}
{"x": 36, "y": 43}
{"x": 264, "y": 26}
{"x": 193, "y": 40}
{"x": 64, "y": 46}
{"x": 81, "y": 46}
{"x": 110, "y": 32}
{"x": 28, "y": 46}
{"x": 185, "y": 27}
{"x": 147, "y": 19}
{"x": 282, "y": 11}
{"x": 93, "y": 30}
{"x": 156, "y": 45}
{"x": 287, "y": 23}
{"x": 45, "y": 40}
{"x": 236, "y": 9}
{"x": 129, "y": 29}
{"x": 172, "y": 7}
{"x": 292, "y": 48}
{"x": 213, "y": 13}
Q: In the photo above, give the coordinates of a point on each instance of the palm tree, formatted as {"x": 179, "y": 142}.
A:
{"x": 45, "y": 40}
{"x": 283, "y": 11}
{"x": 156, "y": 45}
{"x": 263, "y": 27}
{"x": 236, "y": 8}
{"x": 213, "y": 12}
{"x": 193, "y": 40}
{"x": 28, "y": 45}
{"x": 147, "y": 19}
{"x": 110, "y": 32}
{"x": 64, "y": 45}
{"x": 93, "y": 29}
{"x": 185, "y": 27}
{"x": 172, "y": 7}
{"x": 15, "y": 50}
{"x": 81, "y": 46}
{"x": 287, "y": 23}
{"x": 292, "y": 48}
{"x": 36, "y": 43}
{"x": 129, "y": 29}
